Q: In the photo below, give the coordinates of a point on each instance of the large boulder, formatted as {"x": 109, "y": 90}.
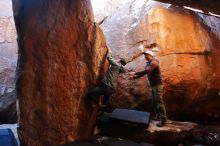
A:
{"x": 61, "y": 56}
{"x": 188, "y": 45}
{"x": 189, "y": 62}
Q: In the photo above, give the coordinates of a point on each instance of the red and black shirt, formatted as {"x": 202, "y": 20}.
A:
{"x": 152, "y": 69}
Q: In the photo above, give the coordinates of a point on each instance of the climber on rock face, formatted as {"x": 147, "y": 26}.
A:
{"x": 152, "y": 69}
{"x": 109, "y": 82}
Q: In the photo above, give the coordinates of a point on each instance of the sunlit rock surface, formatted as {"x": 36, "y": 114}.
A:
{"x": 189, "y": 63}
{"x": 8, "y": 59}
{"x": 188, "y": 46}
{"x": 61, "y": 56}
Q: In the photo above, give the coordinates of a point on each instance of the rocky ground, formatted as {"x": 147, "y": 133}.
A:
{"x": 173, "y": 133}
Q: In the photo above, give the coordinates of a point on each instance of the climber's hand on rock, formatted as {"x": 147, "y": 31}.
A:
{"x": 131, "y": 75}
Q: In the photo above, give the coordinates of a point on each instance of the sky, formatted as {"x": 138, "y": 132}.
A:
{"x": 98, "y": 4}
{"x": 5, "y": 8}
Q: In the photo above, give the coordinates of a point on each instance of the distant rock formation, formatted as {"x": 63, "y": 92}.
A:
{"x": 8, "y": 59}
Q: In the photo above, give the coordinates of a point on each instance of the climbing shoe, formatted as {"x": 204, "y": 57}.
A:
{"x": 161, "y": 123}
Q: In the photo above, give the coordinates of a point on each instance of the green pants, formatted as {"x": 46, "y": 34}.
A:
{"x": 158, "y": 103}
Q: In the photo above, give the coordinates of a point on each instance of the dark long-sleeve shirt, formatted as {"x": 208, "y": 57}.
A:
{"x": 113, "y": 72}
{"x": 152, "y": 69}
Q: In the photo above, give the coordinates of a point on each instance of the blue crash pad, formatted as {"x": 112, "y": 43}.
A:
{"x": 7, "y": 138}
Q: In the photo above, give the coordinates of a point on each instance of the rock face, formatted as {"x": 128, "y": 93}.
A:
{"x": 61, "y": 56}
{"x": 188, "y": 45}
{"x": 8, "y": 59}
{"x": 189, "y": 62}
{"x": 124, "y": 38}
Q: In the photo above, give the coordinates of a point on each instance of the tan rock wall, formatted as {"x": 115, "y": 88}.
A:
{"x": 187, "y": 61}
